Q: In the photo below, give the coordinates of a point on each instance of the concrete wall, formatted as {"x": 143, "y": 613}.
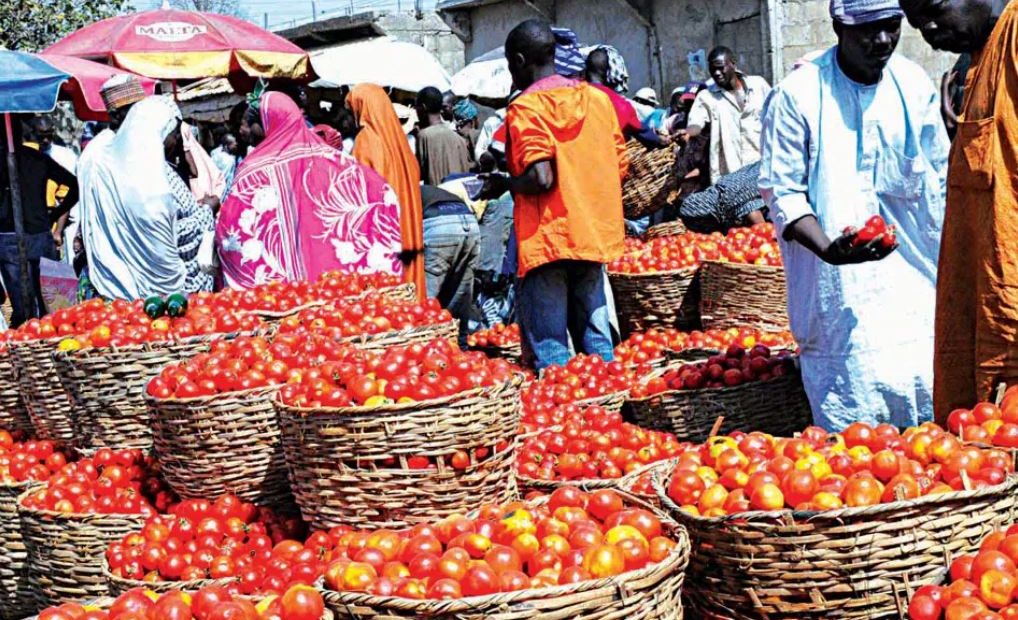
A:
{"x": 431, "y": 33}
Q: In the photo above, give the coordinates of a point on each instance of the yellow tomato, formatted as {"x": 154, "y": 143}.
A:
{"x": 69, "y": 344}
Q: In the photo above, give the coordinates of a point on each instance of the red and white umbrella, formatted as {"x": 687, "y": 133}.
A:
{"x": 169, "y": 44}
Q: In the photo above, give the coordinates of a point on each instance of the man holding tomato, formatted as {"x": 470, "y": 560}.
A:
{"x": 850, "y": 136}
{"x": 566, "y": 155}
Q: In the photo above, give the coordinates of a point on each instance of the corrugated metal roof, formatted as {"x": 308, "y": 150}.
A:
{"x": 207, "y": 87}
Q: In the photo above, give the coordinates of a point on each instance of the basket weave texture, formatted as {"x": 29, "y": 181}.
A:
{"x": 108, "y": 386}
{"x": 778, "y": 407}
{"x": 66, "y": 551}
{"x": 650, "y": 181}
{"x": 16, "y": 599}
{"x": 652, "y": 593}
{"x": 736, "y": 295}
{"x": 666, "y": 229}
{"x": 49, "y": 406}
{"x": 13, "y": 413}
{"x": 862, "y": 562}
{"x": 662, "y": 299}
{"x": 348, "y": 466}
{"x": 227, "y": 443}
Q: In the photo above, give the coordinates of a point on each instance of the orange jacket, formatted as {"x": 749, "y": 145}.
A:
{"x": 575, "y": 128}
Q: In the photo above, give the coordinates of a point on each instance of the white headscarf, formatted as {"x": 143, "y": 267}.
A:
{"x": 128, "y": 212}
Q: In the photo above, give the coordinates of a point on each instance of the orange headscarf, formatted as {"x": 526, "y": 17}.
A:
{"x": 382, "y": 145}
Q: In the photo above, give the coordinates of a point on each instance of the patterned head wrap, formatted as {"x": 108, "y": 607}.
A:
{"x": 464, "y": 110}
{"x": 254, "y": 97}
{"x": 569, "y": 60}
{"x": 618, "y": 75}
{"x": 855, "y": 12}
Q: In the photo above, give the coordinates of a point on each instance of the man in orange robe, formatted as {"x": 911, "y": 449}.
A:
{"x": 976, "y": 344}
{"x": 566, "y": 155}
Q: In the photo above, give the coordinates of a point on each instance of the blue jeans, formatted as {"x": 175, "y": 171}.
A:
{"x": 561, "y": 302}
{"x": 37, "y": 245}
{"x": 451, "y": 252}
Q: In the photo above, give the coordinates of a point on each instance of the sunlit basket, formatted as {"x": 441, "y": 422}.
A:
{"x": 778, "y": 406}
{"x": 349, "y": 466}
{"x": 650, "y": 182}
{"x": 651, "y": 593}
{"x": 13, "y": 413}
{"x": 49, "y": 406}
{"x": 661, "y": 299}
{"x": 107, "y": 385}
{"x": 209, "y": 446}
{"x": 736, "y": 295}
{"x": 622, "y": 483}
{"x": 66, "y": 551}
{"x": 16, "y": 599}
{"x": 850, "y": 563}
{"x": 666, "y": 229}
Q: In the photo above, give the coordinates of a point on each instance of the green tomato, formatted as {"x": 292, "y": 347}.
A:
{"x": 155, "y": 307}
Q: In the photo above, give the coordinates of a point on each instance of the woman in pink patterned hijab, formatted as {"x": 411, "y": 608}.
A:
{"x": 299, "y": 208}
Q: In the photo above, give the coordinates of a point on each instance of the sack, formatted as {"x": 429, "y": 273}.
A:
{"x": 58, "y": 283}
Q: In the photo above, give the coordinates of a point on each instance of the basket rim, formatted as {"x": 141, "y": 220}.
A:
{"x": 267, "y": 389}
{"x": 392, "y": 333}
{"x": 703, "y": 391}
{"x": 674, "y": 562}
{"x": 282, "y": 314}
{"x": 186, "y": 586}
{"x": 725, "y": 264}
{"x": 150, "y": 346}
{"x": 72, "y": 516}
{"x": 514, "y": 382}
{"x": 655, "y": 274}
{"x": 812, "y": 516}
{"x": 593, "y": 484}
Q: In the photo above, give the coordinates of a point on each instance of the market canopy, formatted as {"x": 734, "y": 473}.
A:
{"x": 488, "y": 77}
{"x": 33, "y": 83}
{"x": 383, "y": 61}
{"x": 169, "y": 44}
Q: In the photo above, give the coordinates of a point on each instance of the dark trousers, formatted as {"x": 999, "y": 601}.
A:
{"x": 38, "y": 245}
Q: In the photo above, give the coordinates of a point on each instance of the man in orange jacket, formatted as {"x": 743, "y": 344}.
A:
{"x": 566, "y": 155}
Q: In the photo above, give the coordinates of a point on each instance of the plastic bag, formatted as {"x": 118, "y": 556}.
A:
{"x": 59, "y": 284}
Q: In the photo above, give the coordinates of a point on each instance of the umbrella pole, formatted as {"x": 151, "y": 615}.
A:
{"x": 27, "y": 286}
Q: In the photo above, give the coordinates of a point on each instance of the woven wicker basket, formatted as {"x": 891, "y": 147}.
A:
{"x": 108, "y": 387}
{"x": 66, "y": 551}
{"x": 512, "y": 353}
{"x": 13, "y": 413}
{"x": 119, "y": 585}
{"x": 735, "y": 295}
{"x": 778, "y": 407}
{"x": 662, "y": 299}
{"x": 386, "y": 340}
{"x": 623, "y": 483}
{"x": 341, "y": 469}
{"x": 667, "y": 229}
{"x": 49, "y": 406}
{"x": 652, "y": 593}
{"x": 849, "y": 563}
{"x": 401, "y": 292}
{"x": 275, "y": 317}
{"x": 227, "y": 443}
{"x": 650, "y": 181}
{"x": 16, "y": 599}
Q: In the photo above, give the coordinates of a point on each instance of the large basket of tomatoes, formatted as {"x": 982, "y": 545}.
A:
{"x": 106, "y": 372}
{"x": 734, "y": 294}
{"x": 22, "y": 466}
{"x": 214, "y": 428}
{"x": 752, "y": 390}
{"x": 68, "y": 524}
{"x": 650, "y": 182}
{"x": 48, "y": 404}
{"x": 623, "y": 562}
{"x": 13, "y": 413}
{"x": 502, "y": 341}
{"x": 657, "y": 299}
{"x": 431, "y": 431}
{"x": 832, "y": 526}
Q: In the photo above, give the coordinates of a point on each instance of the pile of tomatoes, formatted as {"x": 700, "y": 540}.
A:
{"x": 500, "y": 336}
{"x": 984, "y": 585}
{"x": 29, "y": 460}
{"x": 110, "y": 482}
{"x": 372, "y": 314}
{"x": 582, "y": 378}
{"x": 733, "y": 368}
{"x": 862, "y": 466}
{"x": 414, "y": 373}
{"x": 573, "y": 537}
{"x": 643, "y": 347}
{"x": 755, "y": 245}
{"x": 299, "y": 602}
{"x": 593, "y": 444}
{"x": 987, "y": 423}
{"x": 224, "y": 539}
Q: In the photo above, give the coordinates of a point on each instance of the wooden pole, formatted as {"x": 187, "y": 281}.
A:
{"x": 27, "y": 286}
